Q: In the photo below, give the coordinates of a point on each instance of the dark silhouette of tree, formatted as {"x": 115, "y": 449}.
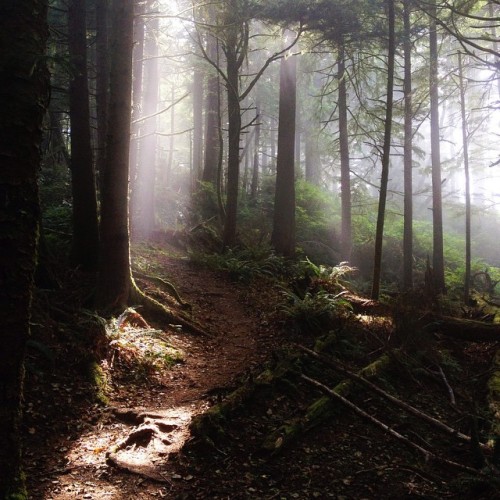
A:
{"x": 212, "y": 111}
{"x": 379, "y": 235}
{"x": 102, "y": 80}
{"x": 23, "y": 99}
{"x": 283, "y": 236}
{"x": 407, "y": 153}
{"x": 465, "y": 142}
{"x": 345, "y": 169}
{"x": 437, "y": 197}
{"x": 137, "y": 113}
{"x": 146, "y": 169}
{"x": 115, "y": 279}
{"x": 85, "y": 248}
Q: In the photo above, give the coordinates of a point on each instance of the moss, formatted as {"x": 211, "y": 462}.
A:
{"x": 18, "y": 489}
{"x": 99, "y": 380}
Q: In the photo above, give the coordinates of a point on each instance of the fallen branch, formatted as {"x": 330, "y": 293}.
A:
{"x": 401, "y": 404}
{"x": 448, "y": 386}
{"x": 428, "y": 455}
{"x": 320, "y": 411}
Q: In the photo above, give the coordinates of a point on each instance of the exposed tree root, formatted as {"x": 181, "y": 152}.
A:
{"x": 165, "y": 285}
{"x": 147, "y": 446}
{"x": 151, "y": 307}
{"x": 321, "y": 410}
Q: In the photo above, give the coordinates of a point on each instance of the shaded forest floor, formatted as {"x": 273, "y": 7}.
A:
{"x": 75, "y": 440}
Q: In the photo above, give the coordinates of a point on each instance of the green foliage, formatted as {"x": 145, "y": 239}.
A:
{"x": 244, "y": 264}
{"x": 314, "y": 312}
{"x": 317, "y": 214}
{"x": 140, "y": 353}
{"x": 316, "y": 300}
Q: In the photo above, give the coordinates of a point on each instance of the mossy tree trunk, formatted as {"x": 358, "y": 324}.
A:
{"x": 283, "y": 236}
{"x": 23, "y": 101}
{"x": 115, "y": 277}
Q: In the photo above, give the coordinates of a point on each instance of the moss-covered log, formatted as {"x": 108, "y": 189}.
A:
{"x": 209, "y": 426}
{"x": 321, "y": 410}
{"x": 463, "y": 329}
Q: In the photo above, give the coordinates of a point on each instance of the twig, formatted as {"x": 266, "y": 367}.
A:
{"x": 448, "y": 386}
{"x": 428, "y": 455}
{"x": 410, "y": 409}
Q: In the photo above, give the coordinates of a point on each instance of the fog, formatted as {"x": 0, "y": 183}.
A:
{"x": 170, "y": 145}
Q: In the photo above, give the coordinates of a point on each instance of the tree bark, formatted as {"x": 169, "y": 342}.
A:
{"x": 24, "y": 85}
{"x": 234, "y": 133}
{"x": 146, "y": 170}
{"x": 437, "y": 201}
{"x": 377, "y": 265}
{"x": 211, "y": 159}
{"x": 85, "y": 247}
{"x": 197, "y": 160}
{"x": 283, "y": 236}
{"x": 465, "y": 141}
{"x": 408, "y": 156}
{"x": 345, "y": 169}
{"x": 137, "y": 77}
{"x": 256, "y": 155}
{"x": 115, "y": 278}
{"x": 102, "y": 82}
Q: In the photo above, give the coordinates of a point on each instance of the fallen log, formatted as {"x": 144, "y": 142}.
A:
{"x": 462, "y": 329}
{"x": 389, "y": 397}
{"x": 208, "y": 427}
{"x": 321, "y": 410}
{"x": 428, "y": 455}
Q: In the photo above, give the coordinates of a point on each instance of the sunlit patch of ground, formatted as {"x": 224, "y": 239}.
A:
{"x": 147, "y": 459}
{"x": 375, "y": 321}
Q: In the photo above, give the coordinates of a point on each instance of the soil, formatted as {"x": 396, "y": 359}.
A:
{"x": 75, "y": 446}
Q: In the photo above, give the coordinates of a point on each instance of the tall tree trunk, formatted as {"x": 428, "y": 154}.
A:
{"x": 312, "y": 156}
{"x": 377, "y": 264}
{"x": 272, "y": 140}
{"x": 408, "y": 154}
{"x": 171, "y": 142}
{"x": 283, "y": 236}
{"x": 102, "y": 83}
{"x": 254, "y": 186}
{"x": 465, "y": 142}
{"x": 137, "y": 112}
{"x": 85, "y": 248}
{"x": 115, "y": 278}
{"x": 345, "y": 169}
{"x": 437, "y": 202}
{"x": 234, "y": 132}
{"x": 147, "y": 157}
{"x": 24, "y": 85}
{"x": 211, "y": 159}
{"x": 197, "y": 160}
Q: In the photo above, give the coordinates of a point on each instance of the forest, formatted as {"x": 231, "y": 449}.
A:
{"x": 249, "y": 249}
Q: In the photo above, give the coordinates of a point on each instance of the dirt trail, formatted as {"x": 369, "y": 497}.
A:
{"x": 67, "y": 439}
